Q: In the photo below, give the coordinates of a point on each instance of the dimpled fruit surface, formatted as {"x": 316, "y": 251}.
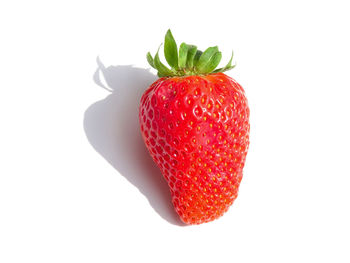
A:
{"x": 196, "y": 129}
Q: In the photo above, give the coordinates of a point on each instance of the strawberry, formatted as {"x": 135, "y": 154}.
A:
{"x": 195, "y": 123}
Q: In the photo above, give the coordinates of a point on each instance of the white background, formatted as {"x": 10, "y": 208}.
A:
{"x": 76, "y": 183}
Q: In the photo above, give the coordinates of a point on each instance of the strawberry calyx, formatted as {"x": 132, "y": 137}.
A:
{"x": 187, "y": 60}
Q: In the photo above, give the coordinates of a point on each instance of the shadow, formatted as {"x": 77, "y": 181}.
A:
{"x": 112, "y": 128}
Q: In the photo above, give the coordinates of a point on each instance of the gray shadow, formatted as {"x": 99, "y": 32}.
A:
{"x": 112, "y": 128}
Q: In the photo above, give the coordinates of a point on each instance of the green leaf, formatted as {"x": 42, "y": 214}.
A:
{"x": 183, "y": 51}
{"x": 196, "y": 57}
{"x": 162, "y": 69}
{"x": 150, "y": 60}
{"x": 212, "y": 63}
{"x": 170, "y": 50}
{"x": 187, "y": 60}
{"x": 205, "y": 58}
{"x": 192, "y": 50}
{"x": 227, "y": 67}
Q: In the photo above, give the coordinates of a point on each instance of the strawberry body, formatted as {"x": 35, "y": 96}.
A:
{"x": 196, "y": 129}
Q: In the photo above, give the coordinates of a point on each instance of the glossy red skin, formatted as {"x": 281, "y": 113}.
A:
{"x": 196, "y": 129}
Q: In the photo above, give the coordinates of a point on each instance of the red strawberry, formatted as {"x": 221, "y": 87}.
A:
{"x": 195, "y": 123}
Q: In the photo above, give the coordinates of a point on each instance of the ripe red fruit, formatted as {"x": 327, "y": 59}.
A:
{"x": 195, "y": 124}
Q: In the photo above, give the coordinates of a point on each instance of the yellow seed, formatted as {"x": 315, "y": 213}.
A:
{"x": 198, "y": 128}
{"x": 221, "y": 100}
{"x": 209, "y": 170}
{"x": 211, "y": 125}
{"x": 202, "y": 100}
{"x": 205, "y": 118}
